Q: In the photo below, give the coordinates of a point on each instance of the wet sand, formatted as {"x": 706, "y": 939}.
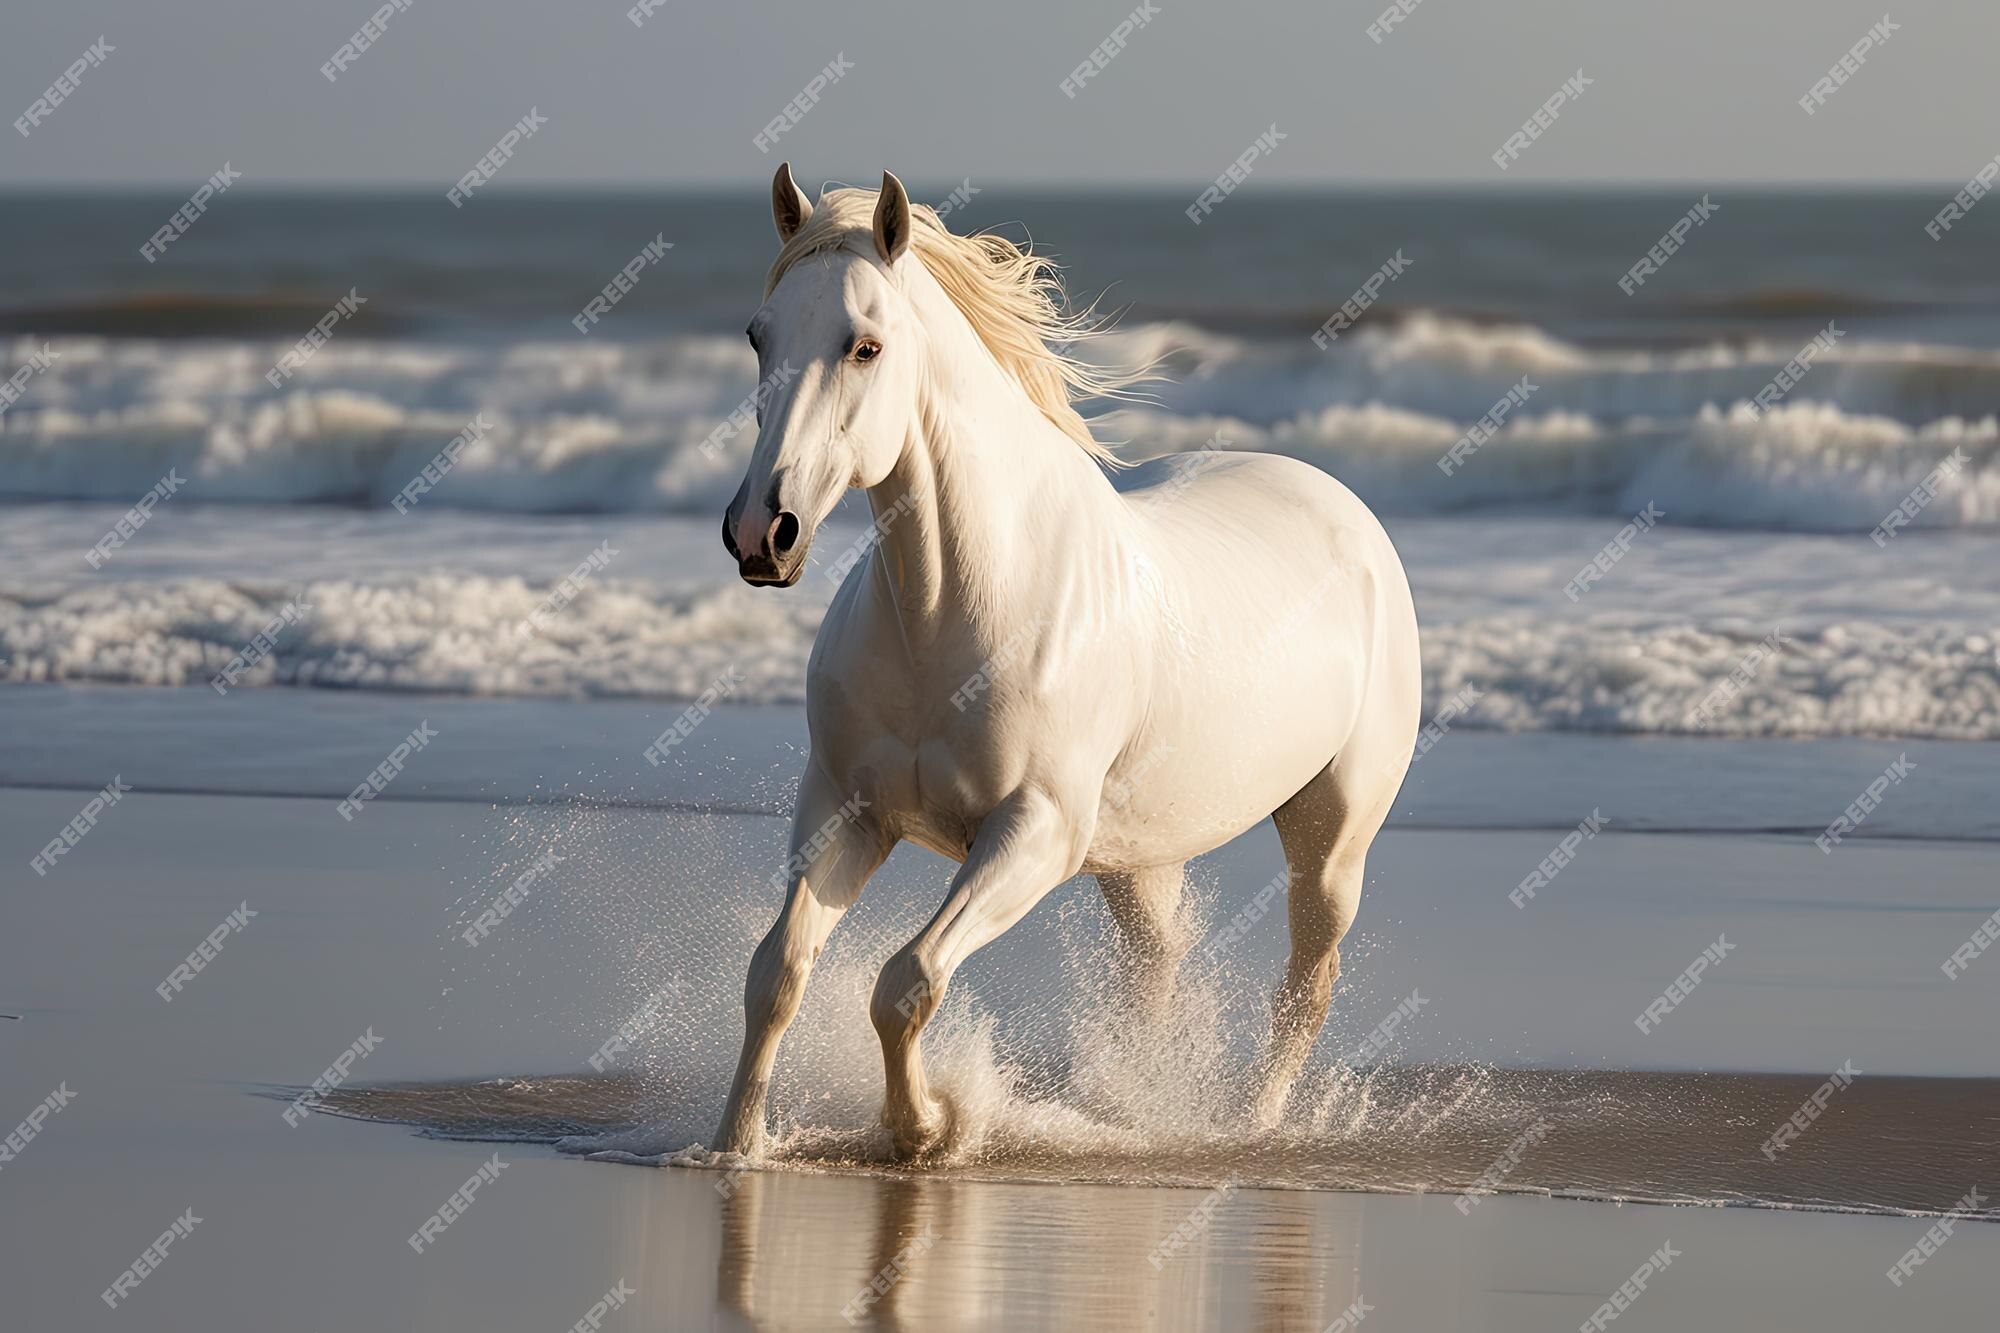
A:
{"x": 1051, "y": 1223}
{"x": 308, "y": 1229}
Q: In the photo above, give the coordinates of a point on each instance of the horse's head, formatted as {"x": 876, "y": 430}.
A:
{"x": 839, "y": 365}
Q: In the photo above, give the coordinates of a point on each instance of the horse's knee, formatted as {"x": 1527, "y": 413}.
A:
{"x": 1328, "y": 973}
{"x": 906, "y": 994}
{"x": 775, "y": 985}
{"x": 1322, "y": 908}
{"x": 1311, "y": 978}
{"x": 1307, "y": 990}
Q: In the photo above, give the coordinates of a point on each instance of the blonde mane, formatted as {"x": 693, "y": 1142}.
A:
{"x": 1013, "y": 299}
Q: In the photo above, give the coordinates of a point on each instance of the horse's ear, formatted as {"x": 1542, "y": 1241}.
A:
{"x": 789, "y": 206}
{"x": 892, "y": 219}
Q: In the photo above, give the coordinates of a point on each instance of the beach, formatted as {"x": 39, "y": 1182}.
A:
{"x": 1057, "y": 1214}
{"x": 384, "y": 861}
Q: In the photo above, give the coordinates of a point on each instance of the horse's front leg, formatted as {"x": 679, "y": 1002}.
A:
{"x": 835, "y": 848}
{"x": 1025, "y": 847}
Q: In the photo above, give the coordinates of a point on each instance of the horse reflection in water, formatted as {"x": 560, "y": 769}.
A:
{"x": 935, "y": 1253}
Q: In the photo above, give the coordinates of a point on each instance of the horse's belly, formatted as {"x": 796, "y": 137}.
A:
{"x": 1223, "y": 758}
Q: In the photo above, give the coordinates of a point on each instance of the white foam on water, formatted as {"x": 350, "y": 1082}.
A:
{"x": 627, "y": 427}
{"x": 1619, "y": 671}
{"x": 1805, "y": 467}
{"x": 615, "y": 431}
{"x": 1457, "y": 369}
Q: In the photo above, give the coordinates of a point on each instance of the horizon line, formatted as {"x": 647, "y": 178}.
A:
{"x": 713, "y": 187}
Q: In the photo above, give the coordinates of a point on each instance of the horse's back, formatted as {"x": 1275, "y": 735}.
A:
{"x": 1255, "y": 490}
{"x": 1285, "y": 521}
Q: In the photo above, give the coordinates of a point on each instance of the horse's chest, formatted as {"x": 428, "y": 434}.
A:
{"x": 963, "y": 772}
{"x": 938, "y": 745}
{"x": 933, "y": 779}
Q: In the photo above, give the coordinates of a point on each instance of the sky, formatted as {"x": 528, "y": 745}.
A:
{"x": 1695, "y": 92}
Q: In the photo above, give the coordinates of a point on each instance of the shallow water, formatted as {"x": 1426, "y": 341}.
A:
{"x": 1890, "y": 1145}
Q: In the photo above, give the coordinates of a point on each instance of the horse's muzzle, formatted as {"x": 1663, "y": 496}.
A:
{"x": 780, "y": 557}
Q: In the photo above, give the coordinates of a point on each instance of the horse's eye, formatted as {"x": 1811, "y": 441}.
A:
{"x": 867, "y": 350}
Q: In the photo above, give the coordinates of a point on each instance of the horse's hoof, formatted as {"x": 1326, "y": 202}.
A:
{"x": 752, "y": 1147}
{"x": 914, "y": 1143}
{"x": 914, "y": 1138}
{"x": 748, "y": 1140}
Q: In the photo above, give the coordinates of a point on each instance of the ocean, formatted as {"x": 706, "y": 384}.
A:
{"x": 1612, "y": 405}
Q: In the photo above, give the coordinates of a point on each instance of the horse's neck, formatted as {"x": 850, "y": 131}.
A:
{"x": 986, "y": 494}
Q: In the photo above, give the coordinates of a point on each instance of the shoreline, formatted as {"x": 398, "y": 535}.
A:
{"x": 745, "y": 759}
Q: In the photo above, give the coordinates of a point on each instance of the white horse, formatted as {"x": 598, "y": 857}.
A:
{"x": 1035, "y": 672}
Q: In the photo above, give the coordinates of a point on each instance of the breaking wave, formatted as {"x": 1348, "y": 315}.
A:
{"x": 462, "y": 634}
{"x": 645, "y": 427}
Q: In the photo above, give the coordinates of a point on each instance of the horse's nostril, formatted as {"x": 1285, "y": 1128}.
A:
{"x": 785, "y": 533}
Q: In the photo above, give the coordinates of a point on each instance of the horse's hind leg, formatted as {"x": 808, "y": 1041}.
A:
{"x": 1145, "y": 905}
{"x": 1326, "y": 830}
